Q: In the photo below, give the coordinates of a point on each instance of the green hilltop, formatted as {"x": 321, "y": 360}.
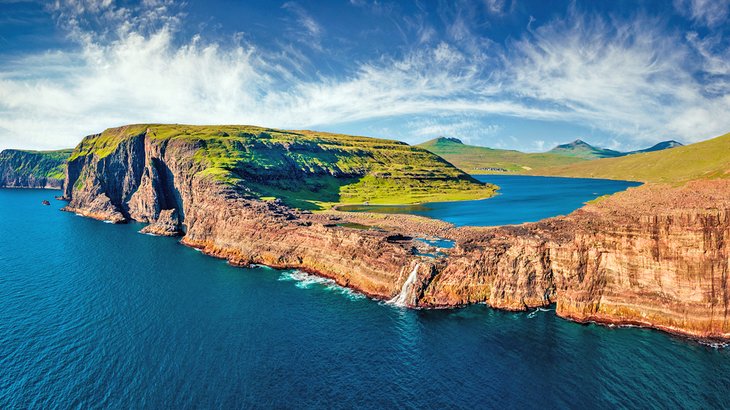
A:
{"x": 25, "y": 167}
{"x": 703, "y": 160}
{"x": 306, "y": 169}
{"x": 483, "y": 160}
{"x": 581, "y": 149}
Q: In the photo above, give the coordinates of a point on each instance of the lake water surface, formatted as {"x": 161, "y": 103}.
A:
{"x": 96, "y": 315}
{"x": 519, "y": 199}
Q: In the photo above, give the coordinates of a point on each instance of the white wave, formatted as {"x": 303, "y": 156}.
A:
{"x": 401, "y": 299}
{"x": 536, "y": 311}
{"x": 305, "y": 280}
{"x": 715, "y": 344}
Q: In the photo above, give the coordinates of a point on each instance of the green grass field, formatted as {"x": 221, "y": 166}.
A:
{"x": 307, "y": 169}
{"x": 476, "y": 160}
{"x": 703, "y": 160}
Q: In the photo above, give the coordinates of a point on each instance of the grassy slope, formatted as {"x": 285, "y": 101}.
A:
{"x": 469, "y": 158}
{"x": 39, "y": 164}
{"x": 309, "y": 169}
{"x": 702, "y": 160}
{"x": 581, "y": 149}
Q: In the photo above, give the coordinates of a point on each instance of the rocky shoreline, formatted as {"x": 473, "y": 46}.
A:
{"x": 653, "y": 255}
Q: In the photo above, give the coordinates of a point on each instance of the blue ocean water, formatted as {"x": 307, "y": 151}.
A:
{"x": 520, "y": 199}
{"x": 97, "y": 315}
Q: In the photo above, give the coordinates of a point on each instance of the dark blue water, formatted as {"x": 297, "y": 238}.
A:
{"x": 520, "y": 199}
{"x": 97, "y": 315}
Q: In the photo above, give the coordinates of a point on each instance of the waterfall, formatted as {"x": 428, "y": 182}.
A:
{"x": 401, "y": 299}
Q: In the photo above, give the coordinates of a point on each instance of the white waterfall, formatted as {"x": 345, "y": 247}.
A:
{"x": 401, "y": 299}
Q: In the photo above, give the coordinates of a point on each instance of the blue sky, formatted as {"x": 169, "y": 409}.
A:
{"x": 501, "y": 73}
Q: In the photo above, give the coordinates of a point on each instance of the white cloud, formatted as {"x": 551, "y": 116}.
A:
{"x": 630, "y": 79}
{"x": 468, "y": 130}
{"x": 307, "y": 24}
{"x": 711, "y": 13}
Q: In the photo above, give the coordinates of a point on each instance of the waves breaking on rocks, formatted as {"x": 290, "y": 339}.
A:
{"x": 304, "y": 280}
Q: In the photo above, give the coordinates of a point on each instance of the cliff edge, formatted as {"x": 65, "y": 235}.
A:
{"x": 655, "y": 255}
{"x": 33, "y": 169}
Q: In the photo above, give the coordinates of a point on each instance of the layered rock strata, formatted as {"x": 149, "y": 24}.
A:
{"x": 32, "y": 169}
{"x": 655, "y": 255}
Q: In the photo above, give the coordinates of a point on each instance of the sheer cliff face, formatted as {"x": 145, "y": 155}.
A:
{"x": 654, "y": 255}
{"x": 32, "y": 169}
{"x": 158, "y": 181}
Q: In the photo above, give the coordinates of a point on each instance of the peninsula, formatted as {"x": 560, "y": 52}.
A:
{"x": 654, "y": 255}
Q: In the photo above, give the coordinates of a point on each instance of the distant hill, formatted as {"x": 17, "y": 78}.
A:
{"x": 703, "y": 160}
{"x": 483, "y": 160}
{"x": 658, "y": 147}
{"x": 582, "y": 149}
{"x": 33, "y": 169}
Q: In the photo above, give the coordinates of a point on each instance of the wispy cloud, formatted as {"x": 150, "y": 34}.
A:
{"x": 308, "y": 30}
{"x": 708, "y": 12}
{"x": 630, "y": 78}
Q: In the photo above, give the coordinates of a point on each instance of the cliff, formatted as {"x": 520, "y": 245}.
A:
{"x": 227, "y": 190}
{"x": 655, "y": 255}
{"x": 33, "y": 169}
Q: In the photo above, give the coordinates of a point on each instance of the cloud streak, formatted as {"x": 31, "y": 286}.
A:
{"x": 628, "y": 78}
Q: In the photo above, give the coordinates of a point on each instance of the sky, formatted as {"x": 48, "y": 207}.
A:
{"x": 517, "y": 74}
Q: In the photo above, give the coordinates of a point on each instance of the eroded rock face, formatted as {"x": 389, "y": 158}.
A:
{"x": 656, "y": 256}
{"x": 32, "y": 169}
{"x": 157, "y": 182}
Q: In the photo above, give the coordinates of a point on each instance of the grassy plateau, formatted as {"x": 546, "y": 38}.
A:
{"x": 307, "y": 169}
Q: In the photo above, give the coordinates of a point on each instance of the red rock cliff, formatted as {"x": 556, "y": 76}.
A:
{"x": 655, "y": 256}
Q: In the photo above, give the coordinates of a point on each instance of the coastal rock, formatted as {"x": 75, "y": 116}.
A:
{"x": 654, "y": 255}
{"x": 167, "y": 224}
{"x": 32, "y": 169}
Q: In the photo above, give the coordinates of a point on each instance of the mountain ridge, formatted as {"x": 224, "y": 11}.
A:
{"x": 484, "y": 160}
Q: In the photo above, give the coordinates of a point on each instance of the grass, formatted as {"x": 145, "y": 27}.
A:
{"x": 581, "y": 149}
{"x": 305, "y": 169}
{"x": 38, "y": 164}
{"x": 474, "y": 160}
{"x": 703, "y": 160}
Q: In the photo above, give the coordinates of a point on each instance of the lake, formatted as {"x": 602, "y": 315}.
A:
{"x": 519, "y": 199}
{"x": 97, "y": 315}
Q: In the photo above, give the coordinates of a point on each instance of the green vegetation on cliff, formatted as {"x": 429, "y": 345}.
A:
{"x": 703, "y": 160}
{"x": 483, "y": 160}
{"x": 33, "y": 169}
{"x": 306, "y": 169}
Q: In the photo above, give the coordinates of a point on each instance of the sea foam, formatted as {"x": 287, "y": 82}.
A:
{"x": 304, "y": 280}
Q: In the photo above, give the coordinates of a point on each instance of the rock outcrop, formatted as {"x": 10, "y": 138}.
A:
{"x": 654, "y": 255}
{"x": 32, "y": 169}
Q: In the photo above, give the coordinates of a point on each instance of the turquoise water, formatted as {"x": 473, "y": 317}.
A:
{"x": 520, "y": 199}
{"x": 97, "y": 315}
